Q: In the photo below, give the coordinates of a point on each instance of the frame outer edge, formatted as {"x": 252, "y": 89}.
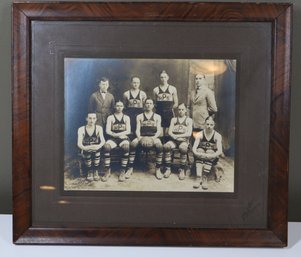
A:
{"x": 280, "y": 118}
{"x": 279, "y": 138}
{"x": 21, "y": 124}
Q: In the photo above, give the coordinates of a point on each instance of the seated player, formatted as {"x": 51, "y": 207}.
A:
{"x": 207, "y": 148}
{"x": 118, "y": 128}
{"x": 148, "y": 131}
{"x": 180, "y": 131}
{"x": 90, "y": 140}
{"x": 134, "y": 100}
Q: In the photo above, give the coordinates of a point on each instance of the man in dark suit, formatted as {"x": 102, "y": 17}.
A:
{"x": 102, "y": 102}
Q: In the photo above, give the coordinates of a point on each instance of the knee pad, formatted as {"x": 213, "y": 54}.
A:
{"x": 107, "y": 148}
{"x": 125, "y": 148}
{"x": 183, "y": 149}
{"x": 159, "y": 147}
{"x": 167, "y": 148}
{"x": 133, "y": 145}
{"x": 87, "y": 157}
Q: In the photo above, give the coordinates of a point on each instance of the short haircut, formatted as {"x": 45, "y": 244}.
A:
{"x": 90, "y": 113}
{"x": 133, "y": 77}
{"x": 210, "y": 117}
{"x": 200, "y": 74}
{"x": 119, "y": 101}
{"x": 164, "y": 72}
{"x": 103, "y": 79}
{"x": 182, "y": 104}
{"x": 148, "y": 99}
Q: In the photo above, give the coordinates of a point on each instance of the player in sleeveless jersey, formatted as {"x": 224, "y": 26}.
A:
{"x": 166, "y": 98}
{"x": 207, "y": 148}
{"x": 180, "y": 131}
{"x": 148, "y": 132}
{"x": 90, "y": 140}
{"x": 118, "y": 128}
{"x": 134, "y": 101}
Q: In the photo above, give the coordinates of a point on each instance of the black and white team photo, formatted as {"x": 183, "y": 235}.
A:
{"x": 149, "y": 125}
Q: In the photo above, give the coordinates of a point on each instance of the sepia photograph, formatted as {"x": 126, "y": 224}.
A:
{"x": 149, "y": 125}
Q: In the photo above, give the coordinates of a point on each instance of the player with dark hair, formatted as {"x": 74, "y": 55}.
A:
{"x": 90, "y": 140}
{"x": 102, "y": 102}
{"x": 180, "y": 131}
{"x": 118, "y": 128}
{"x": 148, "y": 132}
{"x": 201, "y": 102}
{"x": 206, "y": 149}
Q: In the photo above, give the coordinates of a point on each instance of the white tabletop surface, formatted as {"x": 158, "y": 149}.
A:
{"x": 8, "y": 249}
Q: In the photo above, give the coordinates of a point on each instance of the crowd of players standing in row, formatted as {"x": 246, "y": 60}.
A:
{"x": 113, "y": 124}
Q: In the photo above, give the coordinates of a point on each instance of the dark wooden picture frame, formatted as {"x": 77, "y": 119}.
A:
{"x": 280, "y": 18}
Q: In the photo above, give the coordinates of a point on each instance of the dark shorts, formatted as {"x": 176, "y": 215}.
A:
{"x": 166, "y": 116}
{"x": 132, "y": 113}
{"x": 117, "y": 141}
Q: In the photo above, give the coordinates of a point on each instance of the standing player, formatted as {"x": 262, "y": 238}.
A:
{"x": 118, "y": 128}
{"x": 180, "y": 131}
{"x": 134, "y": 100}
{"x": 90, "y": 140}
{"x": 166, "y": 98}
{"x": 207, "y": 148}
{"x": 148, "y": 131}
{"x": 102, "y": 102}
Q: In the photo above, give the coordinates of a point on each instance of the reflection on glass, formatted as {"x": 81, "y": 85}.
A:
{"x": 47, "y": 187}
{"x": 63, "y": 202}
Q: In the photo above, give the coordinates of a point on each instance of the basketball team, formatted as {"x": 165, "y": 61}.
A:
{"x": 140, "y": 122}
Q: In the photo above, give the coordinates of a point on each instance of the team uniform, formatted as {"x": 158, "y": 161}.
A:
{"x": 94, "y": 139}
{"x": 117, "y": 126}
{"x": 179, "y": 128}
{"x": 207, "y": 146}
{"x": 134, "y": 106}
{"x": 148, "y": 128}
{"x": 164, "y": 104}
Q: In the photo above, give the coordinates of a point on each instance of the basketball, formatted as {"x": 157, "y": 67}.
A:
{"x": 147, "y": 142}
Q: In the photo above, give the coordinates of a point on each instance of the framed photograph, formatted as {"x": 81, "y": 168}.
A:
{"x": 151, "y": 123}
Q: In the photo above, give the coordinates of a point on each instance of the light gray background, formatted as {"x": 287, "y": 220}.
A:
{"x": 5, "y": 110}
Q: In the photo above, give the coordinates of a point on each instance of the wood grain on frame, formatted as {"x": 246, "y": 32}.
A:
{"x": 280, "y": 15}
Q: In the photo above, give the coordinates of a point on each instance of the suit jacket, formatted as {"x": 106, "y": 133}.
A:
{"x": 102, "y": 107}
{"x": 201, "y": 103}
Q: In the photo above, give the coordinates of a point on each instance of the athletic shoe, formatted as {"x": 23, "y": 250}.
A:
{"x": 197, "y": 182}
{"x": 181, "y": 174}
{"x": 107, "y": 174}
{"x": 129, "y": 173}
{"x": 96, "y": 176}
{"x": 167, "y": 172}
{"x": 159, "y": 174}
{"x": 90, "y": 176}
{"x": 122, "y": 176}
{"x": 205, "y": 183}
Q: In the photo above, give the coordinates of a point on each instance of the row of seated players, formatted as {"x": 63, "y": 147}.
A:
{"x": 206, "y": 148}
